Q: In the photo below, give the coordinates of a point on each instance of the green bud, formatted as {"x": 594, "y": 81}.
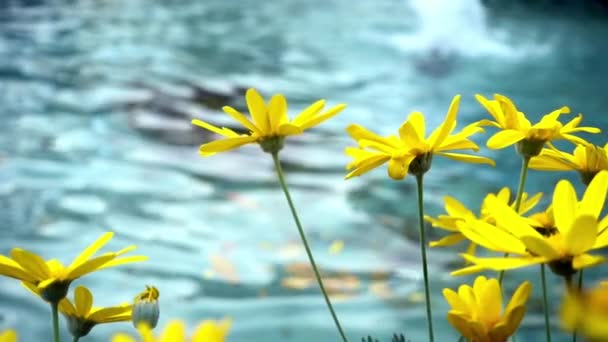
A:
{"x": 55, "y": 291}
{"x": 530, "y": 147}
{"x": 272, "y": 144}
{"x": 79, "y": 327}
{"x": 421, "y": 164}
{"x": 145, "y": 308}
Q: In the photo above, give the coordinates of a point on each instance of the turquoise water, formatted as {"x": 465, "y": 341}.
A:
{"x": 96, "y": 100}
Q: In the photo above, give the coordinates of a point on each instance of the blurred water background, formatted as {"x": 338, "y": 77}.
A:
{"x": 96, "y": 98}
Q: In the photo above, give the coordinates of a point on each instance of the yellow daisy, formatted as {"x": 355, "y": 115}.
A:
{"x": 588, "y": 160}
{"x": 565, "y": 248}
{"x": 82, "y": 316}
{"x": 477, "y": 313}
{"x": 586, "y": 312}
{"x": 51, "y": 278}
{"x": 269, "y": 123}
{"x": 175, "y": 331}
{"x": 458, "y": 214}
{"x": 411, "y": 151}
{"x": 8, "y": 336}
{"x": 515, "y": 127}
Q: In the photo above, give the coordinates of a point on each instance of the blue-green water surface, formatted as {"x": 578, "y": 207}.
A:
{"x": 96, "y": 98}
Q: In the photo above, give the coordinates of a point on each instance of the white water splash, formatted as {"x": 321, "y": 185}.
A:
{"x": 461, "y": 27}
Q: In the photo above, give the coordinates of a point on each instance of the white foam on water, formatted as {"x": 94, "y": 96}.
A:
{"x": 461, "y": 27}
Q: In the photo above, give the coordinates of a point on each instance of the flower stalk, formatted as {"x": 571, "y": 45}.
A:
{"x": 277, "y": 164}
{"x": 429, "y": 314}
{"x": 55, "y": 313}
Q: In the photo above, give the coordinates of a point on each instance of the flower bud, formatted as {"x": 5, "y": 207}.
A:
{"x": 145, "y": 308}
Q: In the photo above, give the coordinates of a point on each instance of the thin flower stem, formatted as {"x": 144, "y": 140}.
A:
{"x": 425, "y": 271}
{"x": 580, "y": 288}
{"x": 76, "y": 338}
{"x": 55, "y": 312}
{"x": 545, "y": 302}
{"x": 277, "y": 164}
{"x": 523, "y": 174}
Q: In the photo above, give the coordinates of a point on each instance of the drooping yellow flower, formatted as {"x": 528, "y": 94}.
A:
{"x": 515, "y": 127}
{"x": 588, "y": 160}
{"x": 51, "y": 278}
{"x": 269, "y": 123}
{"x": 586, "y": 312}
{"x": 175, "y": 331}
{"x": 8, "y": 336}
{"x": 82, "y": 316}
{"x": 145, "y": 307}
{"x": 476, "y": 312}
{"x": 565, "y": 248}
{"x": 411, "y": 151}
{"x": 458, "y": 214}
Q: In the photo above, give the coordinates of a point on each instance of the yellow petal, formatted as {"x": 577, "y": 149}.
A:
{"x": 581, "y": 236}
{"x": 277, "y": 112}
{"x": 454, "y": 300}
{"x": 492, "y": 237}
{"x": 586, "y": 260}
{"x": 123, "y": 261}
{"x": 83, "y": 300}
{"x": 499, "y": 264}
{"x": 520, "y": 296}
{"x": 112, "y": 314}
{"x": 449, "y": 240}
{"x": 322, "y": 117}
{"x": 221, "y": 131}
{"x": 222, "y": 145}
{"x": 505, "y": 138}
{"x": 548, "y": 163}
{"x": 368, "y": 165}
{"x": 258, "y": 111}
{"x": 540, "y": 246}
{"x": 461, "y": 324}
{"x": 92, "y": 249}
{"x": 174, "y": 331}
{"x": 473, "y": 269}
{"x": 65, "y": 306}
{"x": 211, "y": 331}
{"x": 564, "y": 205}
{"x": 490, "y": 298}
{"x": 8, "y": 336}
{"x": 412, "y": 130}
{"x": 10, "y": 268}
{"x": 398, "y": 167}
{"x": 289, "y": 129}
{"x": 309, "y": 112}
{"x": 89, "y": 266}
{"x": 122, "y": 338}
{"x": 595, "y": 195}
{"x": 468, "y": 158}
{"x": 447, "y": 126}
{"x": 236, "y": 115}
{"x": 513, "y": 318}
{"x": 31, "y": 262}
{"x": 358, "y": 132}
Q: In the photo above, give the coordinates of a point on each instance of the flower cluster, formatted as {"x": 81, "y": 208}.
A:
{"x": 565, "y": 236}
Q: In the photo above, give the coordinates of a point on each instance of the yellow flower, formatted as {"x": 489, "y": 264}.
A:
{"x": 458, "y": 214}
{"x": 175, "y": 331}
{"x": 476, "y": 311}
{"x": 50, "y": 278}
{"x": 588, "y": 160}
{"x": 269, "y": 123}
{"x": 411, "y": 152}
{"x": 565, "y": 248}
{"x": 8, "y": 336}
{"x": 587, "y": 312}
{"x": 515, "y": 127}
{"x": 82, "y": 316}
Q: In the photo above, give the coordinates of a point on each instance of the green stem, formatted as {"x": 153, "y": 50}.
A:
{"x": 425, "y": 271}
{"x": 55, "y": 312}
{"x": 76, "y": 338}
{"x": 523, "y": 174}
{"x": 580, "y": 288}
{"x": 277, "y": 164}
{"x": 545, "y": 303}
